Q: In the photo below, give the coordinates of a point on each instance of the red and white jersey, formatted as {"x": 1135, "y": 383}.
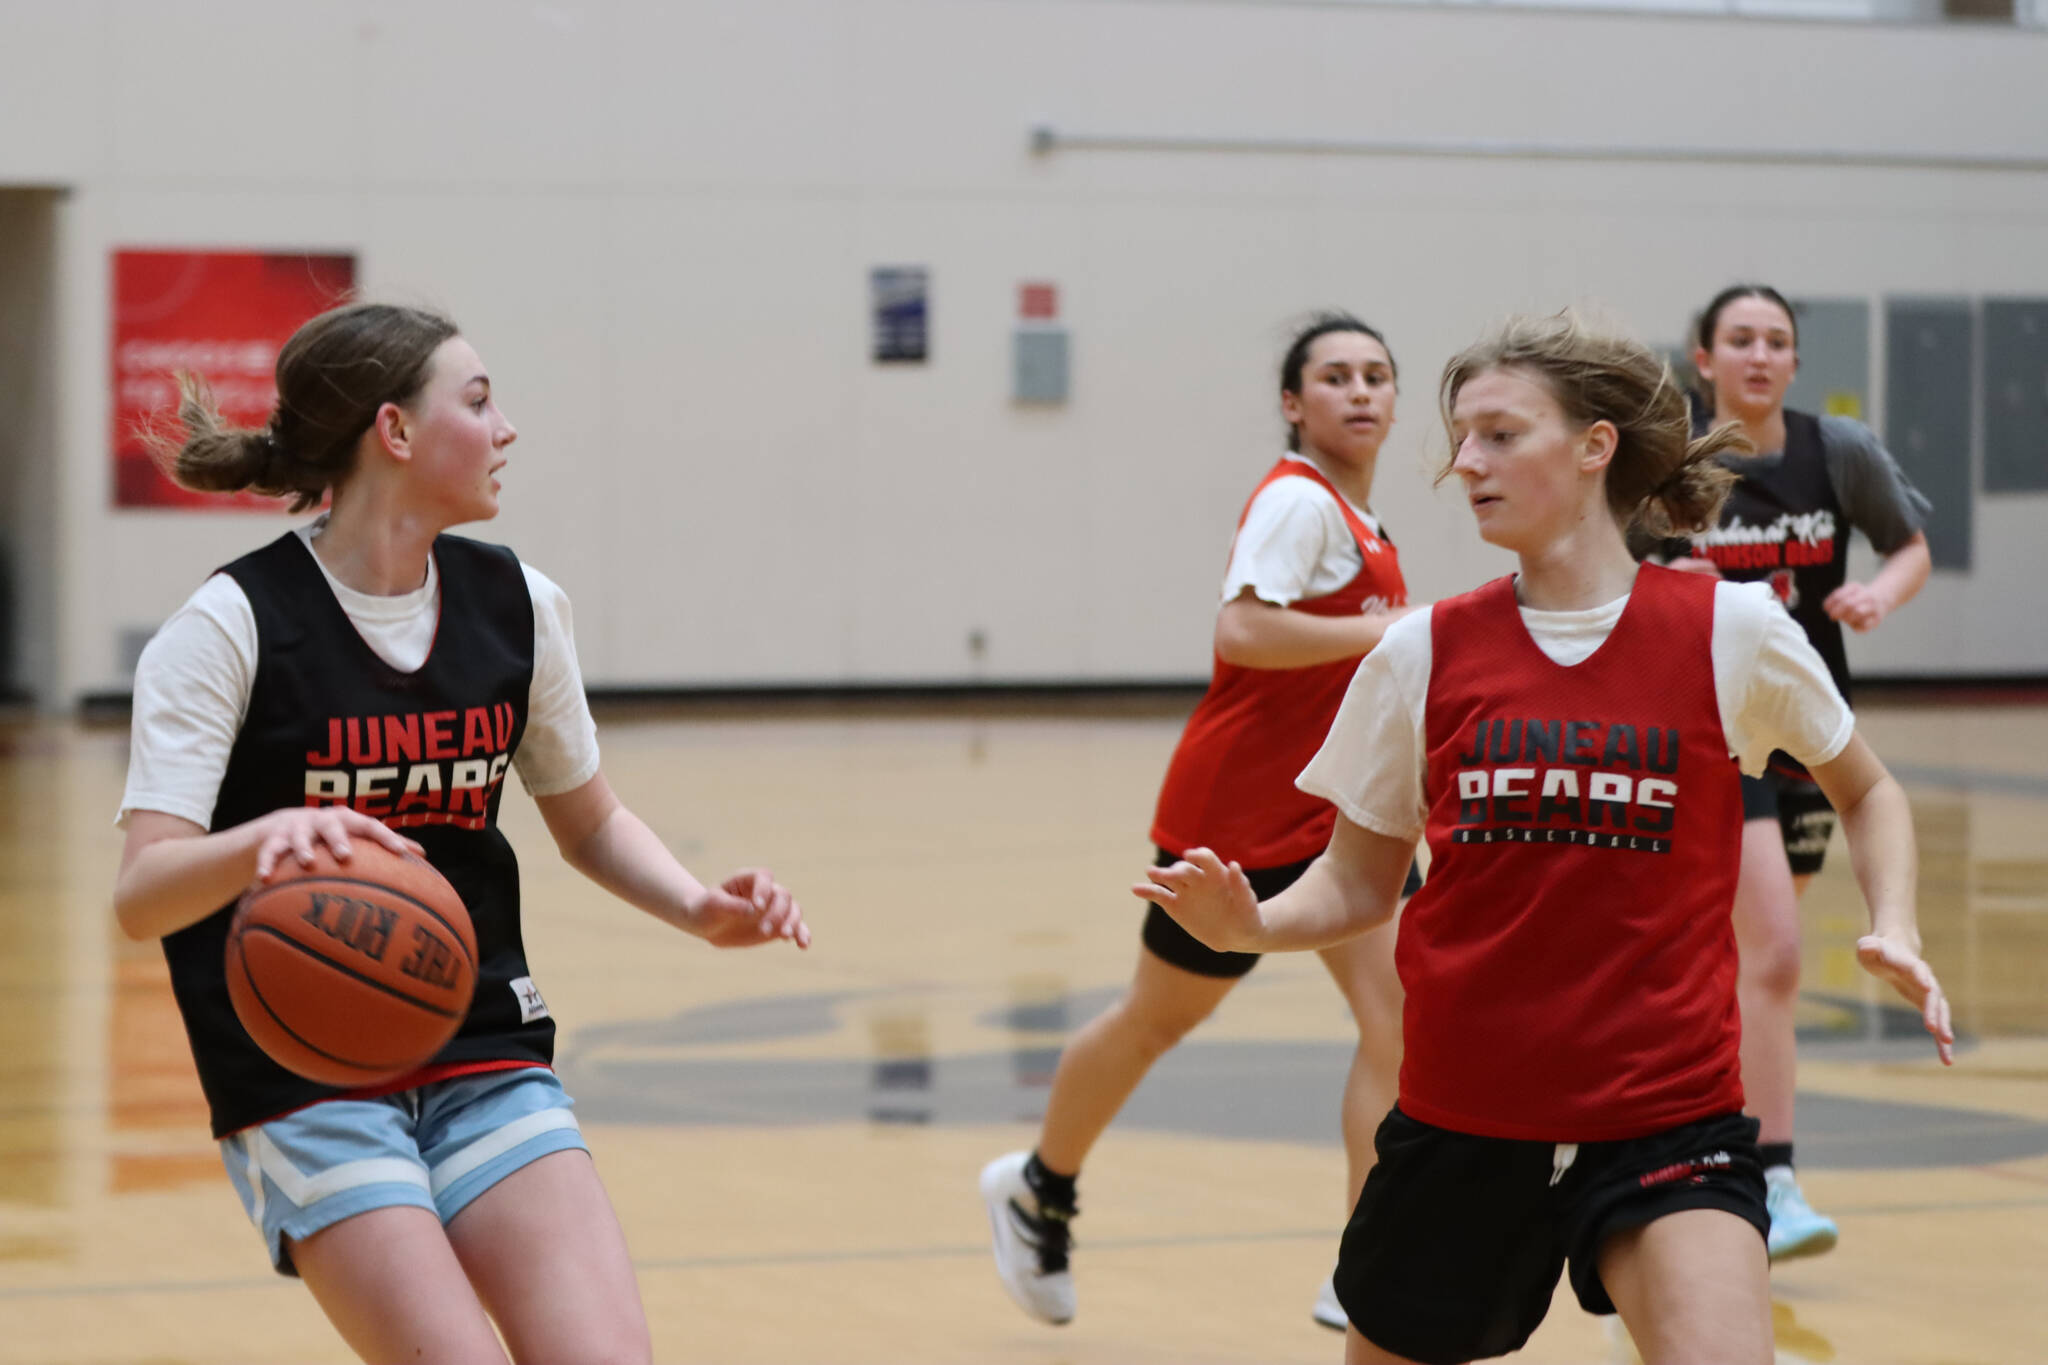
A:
{"x": 1230, "y": 785}
{"x": 1570, "y": 963}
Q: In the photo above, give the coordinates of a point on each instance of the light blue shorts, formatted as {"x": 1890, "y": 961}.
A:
{"x": 436, "y": 1147}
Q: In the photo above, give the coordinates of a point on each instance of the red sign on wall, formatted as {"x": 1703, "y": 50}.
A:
{"x": 1038, "y": 300}
{"x": 223, "y": 315}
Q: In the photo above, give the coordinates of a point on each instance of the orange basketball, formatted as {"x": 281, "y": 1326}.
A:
{"x": 352, "y": 973}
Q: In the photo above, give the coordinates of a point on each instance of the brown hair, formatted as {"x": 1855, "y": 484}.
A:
{"x": 332, "y": 377}
{"x": 1660, "y": 478}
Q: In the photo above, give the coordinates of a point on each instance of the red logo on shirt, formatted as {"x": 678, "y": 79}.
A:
{"x": 423, "y": 768}
{"x": 1786, "y": 585}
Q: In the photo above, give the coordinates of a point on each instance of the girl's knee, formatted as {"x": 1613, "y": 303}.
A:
{"x": 1772, "y": 968}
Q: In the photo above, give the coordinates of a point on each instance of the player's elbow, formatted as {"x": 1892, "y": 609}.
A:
{"x": 578, "y": 820}
{"x": 582, "y": 850}
{"x": 1368, "y": 909}
{"x": 1234, "y": 649}
{"x": 1241, "y": 639}
{"x": 131, "y": 913}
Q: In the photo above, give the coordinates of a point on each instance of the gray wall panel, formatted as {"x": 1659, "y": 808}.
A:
{"x": 1834, "y": 358}
{"x": 2015, "y": 395}
{"x": 1928, "y": 388}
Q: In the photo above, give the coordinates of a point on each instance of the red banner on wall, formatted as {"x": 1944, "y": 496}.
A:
{"x": 220, "y": 314}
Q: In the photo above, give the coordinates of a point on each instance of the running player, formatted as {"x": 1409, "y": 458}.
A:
{"x": 1787, "y": 521}
{"x": 1312, "y": 584}
{"x": 282, "y": 707}
{"x": 1568, "y": 740}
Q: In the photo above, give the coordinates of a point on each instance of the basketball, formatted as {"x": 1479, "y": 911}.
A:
{"x": 352, "y": 973}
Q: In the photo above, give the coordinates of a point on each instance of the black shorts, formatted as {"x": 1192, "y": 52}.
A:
{"x": 1172, "y": 944}
{"x": 1802, "y": 811}
{"x": 1455, "y": 1247}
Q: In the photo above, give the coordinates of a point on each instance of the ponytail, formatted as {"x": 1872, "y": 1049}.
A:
{"x": 333, "y": 376}
{"x": 217, "y": 458}
{"x": 1688, "y": 499}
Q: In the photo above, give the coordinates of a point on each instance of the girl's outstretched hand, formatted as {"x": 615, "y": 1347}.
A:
{"x": 1888, "y": 959}
{"x": 748, "y": 908}
{"x": 1209, "y": 898}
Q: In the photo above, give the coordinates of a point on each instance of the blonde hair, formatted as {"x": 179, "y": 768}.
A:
{"x": 1660, "y": 479}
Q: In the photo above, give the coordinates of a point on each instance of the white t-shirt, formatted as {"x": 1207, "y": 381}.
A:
{"x": 193, "y": 682}
{"x": 1294, "y": 543}
{"x": 1774, "y": 693}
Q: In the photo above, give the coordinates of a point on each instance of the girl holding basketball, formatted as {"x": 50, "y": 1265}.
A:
{"x": 1312, "y": 584}
{"x": 1568, "y": 740}
{"x": 1809, "y": 481}
{"x": 422, "y": 1211}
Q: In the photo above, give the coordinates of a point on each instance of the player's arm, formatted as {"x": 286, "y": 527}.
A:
{"x": 1878, "y": 823}
{"x": 1882, "y": 502}
{"x": 1287, "y": 531}
{"x": 192, "y": 689}
{"x": 1789, "y": 702}
{"x": 173, "y": 873}
{"x": 1251, "y": 633}
{"x": 596, "y": 833}
{"x": 1354, "y": 886}
{"x": 606, "y": 842}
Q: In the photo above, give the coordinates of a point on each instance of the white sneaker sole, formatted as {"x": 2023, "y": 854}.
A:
{"x": 1328, "y": 1312}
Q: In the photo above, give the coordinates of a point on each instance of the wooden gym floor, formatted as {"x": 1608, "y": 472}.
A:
{"x": 792, "y": 1140}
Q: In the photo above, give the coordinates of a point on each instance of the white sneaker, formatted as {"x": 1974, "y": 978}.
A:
{"x": 1796, "y": 1230}
{"x": 1621, "y": 1347}
{"x": 1328, "y": 1311}
{"x": 1031, "y": 1244}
